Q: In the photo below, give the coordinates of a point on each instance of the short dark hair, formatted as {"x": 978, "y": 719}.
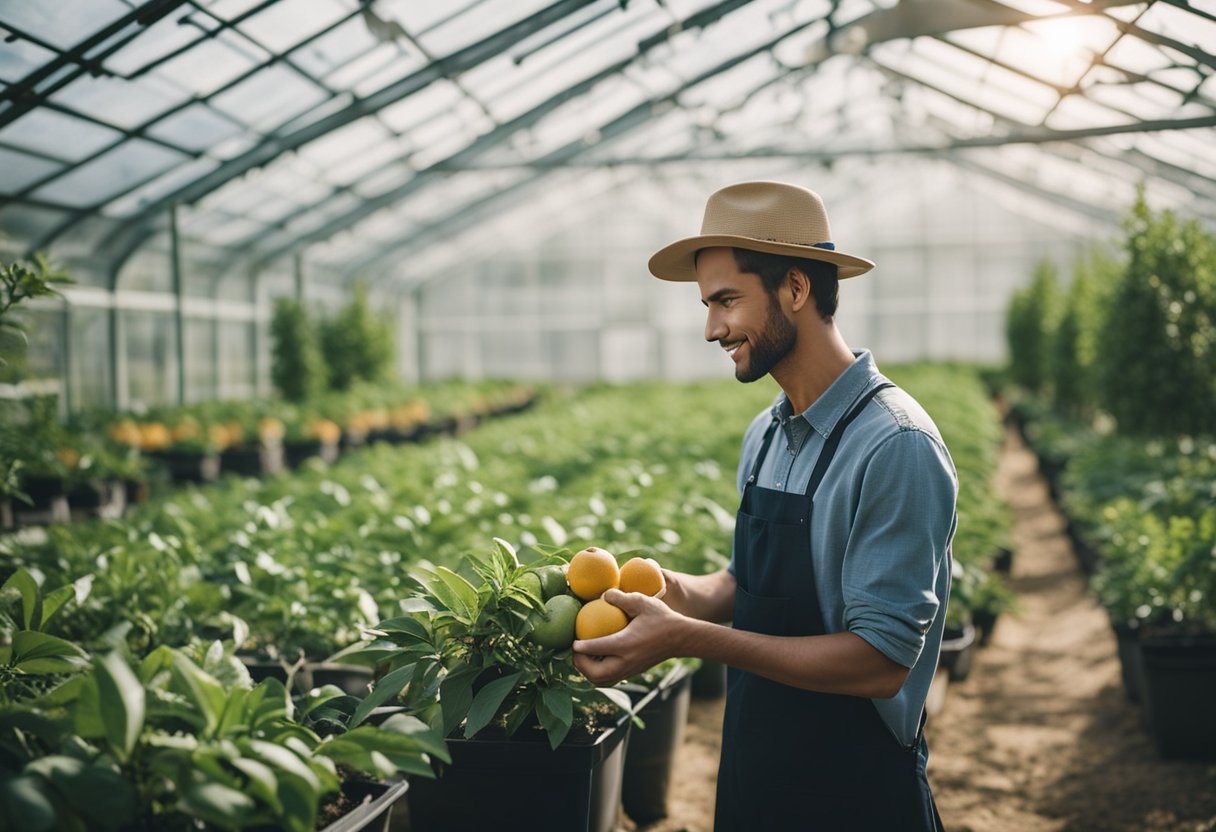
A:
{"x": 772, "y": 269}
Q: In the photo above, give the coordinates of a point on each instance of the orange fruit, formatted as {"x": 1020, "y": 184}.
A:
{"x": 591, "y": 572}
{"x": 599, "y": 618}
{"x": 643, "y": 575}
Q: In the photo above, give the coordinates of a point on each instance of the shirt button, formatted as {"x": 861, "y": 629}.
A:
{"x": 778, "y": 485}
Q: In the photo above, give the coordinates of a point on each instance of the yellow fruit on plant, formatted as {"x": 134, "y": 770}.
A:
{"x": 643, "y": 575}
{"x": 554, "y": 628}
{"x": 591, "y": 572}
{"x": 599, "y": 618}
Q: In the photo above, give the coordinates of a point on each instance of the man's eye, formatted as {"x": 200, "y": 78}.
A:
{"x": 728, "y": 302}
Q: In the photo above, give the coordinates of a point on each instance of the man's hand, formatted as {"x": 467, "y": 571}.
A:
{"x": 652, "y": 635}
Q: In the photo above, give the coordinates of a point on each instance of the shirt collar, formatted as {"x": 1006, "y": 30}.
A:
{"x": 831, "y": 407}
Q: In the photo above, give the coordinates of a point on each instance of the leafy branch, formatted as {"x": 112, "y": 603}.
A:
{"x": 20, "y": 282}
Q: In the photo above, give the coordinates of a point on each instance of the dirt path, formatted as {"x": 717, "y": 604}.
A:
{"x": 1040, "y": 737}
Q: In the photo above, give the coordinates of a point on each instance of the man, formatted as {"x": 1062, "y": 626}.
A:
{"x": 838, "y": 583}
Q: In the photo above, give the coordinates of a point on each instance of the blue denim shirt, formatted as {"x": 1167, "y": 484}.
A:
{"x": 882, "y": 526}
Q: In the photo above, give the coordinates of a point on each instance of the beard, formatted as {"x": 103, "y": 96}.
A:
{"x": 769, "y": 346}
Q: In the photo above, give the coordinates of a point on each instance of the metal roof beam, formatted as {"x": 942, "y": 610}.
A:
{"x": 274, "y": 146}
{"x": 25, "y": 94}
{"x": 495, "y": 137}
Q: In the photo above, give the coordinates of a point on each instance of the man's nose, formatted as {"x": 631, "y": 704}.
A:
{"x": 714, "y": 328}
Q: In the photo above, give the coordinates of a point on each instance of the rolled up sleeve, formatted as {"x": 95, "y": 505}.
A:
{"x": 899, "y": 544}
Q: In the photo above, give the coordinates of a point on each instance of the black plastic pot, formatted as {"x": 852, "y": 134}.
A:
{"x": 41, "y": 491}
{"x": 709, "y": 681}
{"x": 958, "y": 651}
{"x": 188, "y": 466}
{"x": 652, "y": 749}
{"x": 295, "y": 452}
{"x": 375, "y": 810}
{"x": 523, "y": 784}
{"x": 985, "y": 623}
{"x": 92, "y": 494}
{"x": 1127, "y": 639}
{"x": 242, "y": 460}
{"x": 1178, "y": 689}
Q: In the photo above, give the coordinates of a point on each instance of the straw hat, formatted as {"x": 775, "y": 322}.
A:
{"x": 773, "y": 217}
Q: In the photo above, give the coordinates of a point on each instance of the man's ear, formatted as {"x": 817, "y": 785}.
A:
{"x": 800, "y": 287}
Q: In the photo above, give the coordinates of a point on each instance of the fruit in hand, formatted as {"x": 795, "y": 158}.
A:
{"x": 555, "y": 627}
{"x": 599, "y": 618}
{"x": 643, "y": 575}
{"x": 591, "y": 572}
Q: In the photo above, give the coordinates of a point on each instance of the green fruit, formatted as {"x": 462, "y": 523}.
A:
{"x": 531, "y": 583}
{"x": 555, "y": 627}
{"x": 552, "y": 580}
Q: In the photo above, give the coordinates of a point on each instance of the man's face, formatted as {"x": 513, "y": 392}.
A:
{"x": 745, "y": 319}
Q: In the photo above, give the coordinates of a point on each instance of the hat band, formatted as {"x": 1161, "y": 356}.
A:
{"x": 829, "y": 246}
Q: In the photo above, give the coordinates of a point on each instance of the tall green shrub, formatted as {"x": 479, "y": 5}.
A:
{"x": 1157, "y": 367}
{"x": 358, "y": 343}
{"x": 1073, "y": 351}
{"x": 297, "y": 368}
{"x": 1030, "y": 326}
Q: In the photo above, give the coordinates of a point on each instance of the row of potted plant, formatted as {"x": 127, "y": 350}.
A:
{"x": 1141, "y": 515}
{"x": 180, "y": 738}
{"x": 100, "y": 456}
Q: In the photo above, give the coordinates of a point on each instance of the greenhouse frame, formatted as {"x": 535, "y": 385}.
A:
{"x": 481, "y": 165}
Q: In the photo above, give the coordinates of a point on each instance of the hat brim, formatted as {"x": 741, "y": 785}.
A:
{"x": 677, "y": 261}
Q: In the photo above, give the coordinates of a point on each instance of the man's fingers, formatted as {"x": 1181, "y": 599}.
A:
{"x": 603, "y": 646}
{"x": 631, "y": 602}
{"x": 601, "y": 671}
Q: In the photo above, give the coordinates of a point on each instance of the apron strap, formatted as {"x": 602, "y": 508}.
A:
{"x": 768, "y": 440}
{"x": 833, "y": 441}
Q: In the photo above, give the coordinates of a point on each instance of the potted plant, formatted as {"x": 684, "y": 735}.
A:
{"x": 178, "y": 738}
{"x": 661, "y": 698}
{"x": 524, "y": 728}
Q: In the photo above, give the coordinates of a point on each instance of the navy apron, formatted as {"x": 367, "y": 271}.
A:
{"x": 792, "y": 758}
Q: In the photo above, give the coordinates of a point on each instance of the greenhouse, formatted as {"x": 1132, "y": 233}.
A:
{"x": 341, "y": 410}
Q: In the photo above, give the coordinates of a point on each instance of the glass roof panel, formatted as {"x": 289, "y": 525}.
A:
{"x": 478, "y": 22}
{"x": 53, "y": 133}
{"x": 269, "y": 97}
{"x": 339, "y": 145}
{"x": 125, "y": 104}
{"x": 163, "y": 184}
{"x": 166, "y": 35}
{"x": 371, "y": 60}
{"x": 286, "y": 23}
{"x": 388, "y": 177}
{"x": 110, "y": 174}
{"x": 1076, "y": 112}
{"x": 209, "y": 65}
{"x": 334, "y": 49}
{"x": 436, "y": 98}
{"x": 19, "y": 58}
{"x": 358, "y": 164}
{"x": 22, "y": 170}
{"x": 64, "y": 23}
{"x": 197, "y": 127}
{"x": 1181, "y": 25}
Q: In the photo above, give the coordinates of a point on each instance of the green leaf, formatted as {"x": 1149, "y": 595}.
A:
{"x": 200, "y": 689}
{"x": 559, "y": 703}
{"x": 288, "y": 762}
{"x": 407, "y": 626}
{"x": 456, "y": 696}
{"x": 218, "y": 804}
{"x": 262, "y": 782}
{"x": 31, "y": 597}
{"x": 25, "y": 805}
{"x": 385, "y": 689}
{"x": 77, "y": 591}
{"x": 235, "y": 716}
{"x": 554, "y": 726}
{"x": 100, "y": 795}
{"x": 463, "y": 591}
{"x": 38, "y": 653}
{"x": 418, "y": 731}
{"x": 86, "y": 715}
{"x": 486, "y": 702}
{"x": 618, "y": 698}
{"x": 121, "y": 697}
